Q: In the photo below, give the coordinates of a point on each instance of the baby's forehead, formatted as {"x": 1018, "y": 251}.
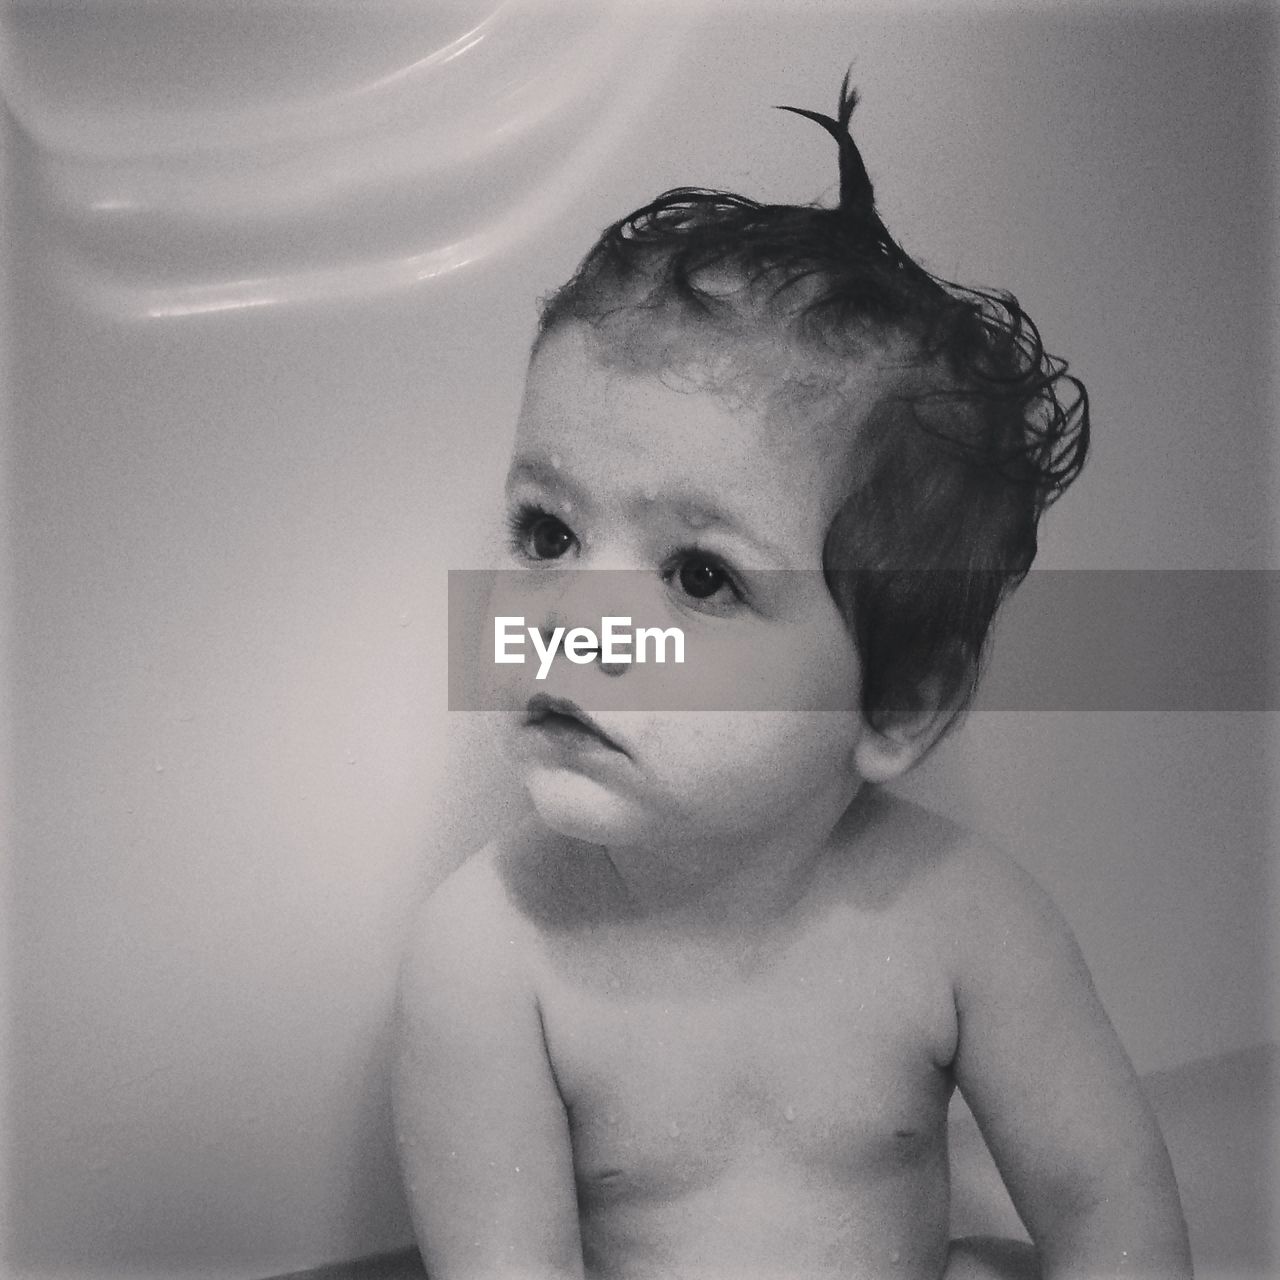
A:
{"x": 706, "y": 426}
{"x": 787, "y": 396}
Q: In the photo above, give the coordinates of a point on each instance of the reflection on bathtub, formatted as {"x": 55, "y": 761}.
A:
{"x": 201, "y": 159}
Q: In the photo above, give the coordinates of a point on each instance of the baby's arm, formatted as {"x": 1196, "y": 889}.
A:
{"x": 1053, "y": 1090}
{"x": 484, "y": 1136}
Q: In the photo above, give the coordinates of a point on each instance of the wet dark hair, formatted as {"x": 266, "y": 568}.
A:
{"x": 978, "y": 431}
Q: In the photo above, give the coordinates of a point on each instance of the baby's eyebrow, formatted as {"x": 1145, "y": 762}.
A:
{"x": 545, "y": 474}
{"x": 698, "y": 512}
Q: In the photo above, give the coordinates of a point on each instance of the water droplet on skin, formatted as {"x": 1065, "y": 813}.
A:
{"x": 673, "y": 1129}
{"x": 790, "y": 1113}
{"x": 403, "y": 619}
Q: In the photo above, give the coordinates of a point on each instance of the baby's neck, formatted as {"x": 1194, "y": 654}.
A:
{"x": 741, "y": 883}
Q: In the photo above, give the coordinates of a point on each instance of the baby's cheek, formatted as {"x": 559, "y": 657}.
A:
{"x": 744, "y": 762}
{"x": 806, "y": 740}
{"x": 736, "y": 670}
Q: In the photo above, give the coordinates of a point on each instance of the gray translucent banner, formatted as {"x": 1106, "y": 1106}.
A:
{"x": 1065, "y": 640}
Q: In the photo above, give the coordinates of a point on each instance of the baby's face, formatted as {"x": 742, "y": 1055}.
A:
{"x": 706, "y": 504}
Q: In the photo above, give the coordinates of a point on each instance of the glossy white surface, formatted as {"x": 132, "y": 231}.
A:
{"x": 200, "y": 158}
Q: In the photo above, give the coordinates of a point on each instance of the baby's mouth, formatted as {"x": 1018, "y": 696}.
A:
{"x": 563, "y": 717}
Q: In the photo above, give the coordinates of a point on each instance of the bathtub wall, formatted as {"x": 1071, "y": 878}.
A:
{"x": 271, "y": 274}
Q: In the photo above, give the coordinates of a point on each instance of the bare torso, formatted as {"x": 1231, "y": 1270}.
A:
{"x": 775, "y": 1108}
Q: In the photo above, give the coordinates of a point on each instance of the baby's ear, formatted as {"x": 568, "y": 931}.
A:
{"x": 902, "y": 737}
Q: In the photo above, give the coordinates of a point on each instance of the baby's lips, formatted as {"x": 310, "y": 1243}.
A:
{"x": 543, "y": 706}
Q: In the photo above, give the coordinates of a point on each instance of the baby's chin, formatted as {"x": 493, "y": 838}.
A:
{"x": 580, "y": 807}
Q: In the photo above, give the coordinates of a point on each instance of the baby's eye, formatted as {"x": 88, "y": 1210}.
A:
{"x": 549, "y": 538}
{"x": 538, "y": 534}
{"x": 704, "y": 579}
{"x": 701, "y": 579}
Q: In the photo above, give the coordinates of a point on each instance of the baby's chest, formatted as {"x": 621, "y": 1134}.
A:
{"x": 836, "y": 1077}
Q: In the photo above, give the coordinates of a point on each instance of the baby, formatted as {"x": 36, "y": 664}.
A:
{"x": 702, "y": 1016}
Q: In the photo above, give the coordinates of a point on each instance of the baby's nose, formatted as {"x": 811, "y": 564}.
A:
{"x": 590, "y": 597}
{"x": 586, "y": 596}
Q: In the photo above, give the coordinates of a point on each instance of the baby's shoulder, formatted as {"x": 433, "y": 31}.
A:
{"x": 473, "y": 971}
{"x": 995, "y": 932}
{"x": 928, "y": 864}
{"x": 459, "y": 933}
